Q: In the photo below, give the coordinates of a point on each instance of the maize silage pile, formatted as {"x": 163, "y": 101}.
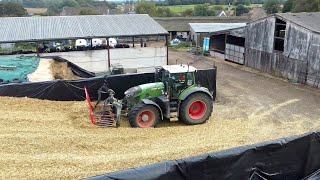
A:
{"x": 55, "y": 140}
{"x": 50, "y": 69}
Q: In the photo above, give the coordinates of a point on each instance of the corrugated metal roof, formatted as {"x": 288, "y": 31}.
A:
{"x": 214, "y": 27}
{"x": 181, "y": 24}
{"x": 238, "y": 32}
{"x": 15, "y": 29}
{"x": 310, "y": 20}
{"x": 257, "y": 13}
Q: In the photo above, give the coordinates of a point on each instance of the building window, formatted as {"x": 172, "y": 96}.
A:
{"x": 279, "y": 35}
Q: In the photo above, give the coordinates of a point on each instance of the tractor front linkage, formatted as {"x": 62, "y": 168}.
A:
{"x": 109, "y": 115}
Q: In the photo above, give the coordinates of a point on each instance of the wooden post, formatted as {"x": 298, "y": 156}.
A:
{"x": 108, "y": 47}
{"x": 37, "y": 49}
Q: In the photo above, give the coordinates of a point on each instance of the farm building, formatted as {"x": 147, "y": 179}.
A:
{"x": 286, "y": 45}
{"x": 222, "y": 13}
{"x": 257, "y": 13}
{"x": 36, "y": 11}
{"x": 134, "y": 28}
{"x": 233, "y": 46}
{"x": 179, "y": 26}
{"x": 200, "y": 30}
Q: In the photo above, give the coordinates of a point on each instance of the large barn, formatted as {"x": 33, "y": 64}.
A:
{"x": 131, "y": 29}
{"x": 286, "y": 45}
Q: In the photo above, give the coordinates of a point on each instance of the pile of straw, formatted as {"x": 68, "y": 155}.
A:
{"x": 51, "y": 140}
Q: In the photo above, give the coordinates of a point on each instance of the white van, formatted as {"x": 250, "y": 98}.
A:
{"x": 81, "y": 43}
{"x": 112, "y": 42}
{"x": 96, "y": 42}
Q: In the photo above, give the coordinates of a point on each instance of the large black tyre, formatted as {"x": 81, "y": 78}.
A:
{"x": 196, "y": 109}
{"x": 144, "y": 116}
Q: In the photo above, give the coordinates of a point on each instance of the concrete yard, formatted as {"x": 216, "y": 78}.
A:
{"x": 247, "y": 93}
{"x": 55, "y": 140}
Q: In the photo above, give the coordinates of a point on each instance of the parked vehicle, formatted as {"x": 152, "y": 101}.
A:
{"x": 81, "y": 44}
{"x": 181, "y": 38}
{"x": 112, "y": 42}
{"x": 96, "y": 42}
{"x": 175, "y": 42}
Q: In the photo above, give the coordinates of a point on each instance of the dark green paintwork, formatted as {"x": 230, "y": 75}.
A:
{"x": 150, "y": 90}
{"x": 193, "y": 89}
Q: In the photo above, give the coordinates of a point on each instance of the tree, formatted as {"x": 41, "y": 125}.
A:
{"x": 70, "y": 3}
{"x": 288, "y": 6}
{"x": 145, "y": 7}
{"x": 201, "y": 10}
{"x": 12, "y": 9}
{"x": 243, "y": 2}
{"x": 247, "y": 2}
{"x": 12, "y": 1}
{"x": 187, "y": 13}
{"x": 34, "y": 3}
{"x": 272, "y": 6}
{"x": 218, "y": 7}
{"x": 241, "y": 9}
{"x": 306, "y": 6}
{"x": 88, "y": 12}
{"x": 211, "y": 12}
{"x": 164, "y": 12}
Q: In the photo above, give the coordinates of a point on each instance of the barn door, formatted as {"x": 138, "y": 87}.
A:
{"x": 234, "y": 53}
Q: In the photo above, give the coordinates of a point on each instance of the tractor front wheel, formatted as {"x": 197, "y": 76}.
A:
{"x": 143, "y": 116}
{"x": 196, "y": 109}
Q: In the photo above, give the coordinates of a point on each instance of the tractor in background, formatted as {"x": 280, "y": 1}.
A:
{"x": 175, "y": 94}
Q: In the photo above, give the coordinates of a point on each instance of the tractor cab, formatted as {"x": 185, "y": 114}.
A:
{"x": 176, "y": 78}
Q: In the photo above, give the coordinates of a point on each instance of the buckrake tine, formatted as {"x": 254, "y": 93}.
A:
{"x": 107, "y": 124}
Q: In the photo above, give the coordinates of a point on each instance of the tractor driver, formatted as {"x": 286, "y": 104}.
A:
{"x": 179, "y": 78}
{"x": 182, "y": 78}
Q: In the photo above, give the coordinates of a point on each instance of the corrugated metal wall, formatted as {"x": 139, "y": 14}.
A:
{"x": 300, "y": 60}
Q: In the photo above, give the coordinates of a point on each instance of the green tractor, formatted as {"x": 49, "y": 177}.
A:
{"x": 175, "y": 95}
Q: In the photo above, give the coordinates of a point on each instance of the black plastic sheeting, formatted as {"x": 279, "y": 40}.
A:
{"x": 295, "y": 158}
{"x": 78, "y": 71}
{"x": 74, "y": 90}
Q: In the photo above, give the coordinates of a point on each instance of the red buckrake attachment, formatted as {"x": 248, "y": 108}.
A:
{"x": 103, "y": 119}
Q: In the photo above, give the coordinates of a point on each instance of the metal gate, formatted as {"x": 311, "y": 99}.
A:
{"x": 234, "y": 53}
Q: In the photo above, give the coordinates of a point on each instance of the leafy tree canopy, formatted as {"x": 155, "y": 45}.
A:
{"x": 13, "y": 9}
{"x": 272, "y": 6}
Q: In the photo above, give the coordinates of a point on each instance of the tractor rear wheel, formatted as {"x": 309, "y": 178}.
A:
{"x": 196, "y": 109}
{"x": 144, "y": 116}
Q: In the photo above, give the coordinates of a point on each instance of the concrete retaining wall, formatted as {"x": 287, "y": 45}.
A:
{"x": 130, "y": 58}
